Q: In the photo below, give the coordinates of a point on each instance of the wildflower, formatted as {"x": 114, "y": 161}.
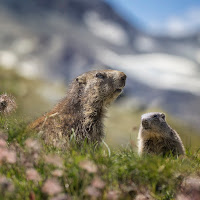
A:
{"x": 11, "y": 157}
{"x": 7, "y": 156}
{"x": 51, "y": 187}
{"x": 33, "y": 144}
{"x": 54, "y": 160}
{"x": 61, "y": 197}
{"x": 57, "y": 172}
{"x": 32, "y": 174}
{"x": 3, "y": 135}
{"x": 92, "y": 191}
{"x": 3, "y": 143}
{"x": 98, "y": 183}
{"x": 113, "y": 195}
{"x": 89, "y": 166}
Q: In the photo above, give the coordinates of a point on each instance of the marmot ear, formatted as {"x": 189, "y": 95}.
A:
{"x": 81, "y": 80}
{"x": 163, "y": 116}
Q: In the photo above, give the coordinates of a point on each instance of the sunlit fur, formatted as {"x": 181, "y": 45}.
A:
{"x": 83, "y": 109}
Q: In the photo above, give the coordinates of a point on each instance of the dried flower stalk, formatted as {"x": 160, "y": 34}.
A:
{"x": 7, "y": 104}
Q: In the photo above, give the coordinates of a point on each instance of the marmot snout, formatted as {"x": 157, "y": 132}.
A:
{"x": 157, "y": 137}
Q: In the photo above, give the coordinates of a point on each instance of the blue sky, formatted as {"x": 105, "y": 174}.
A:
{"x": 161, "y": 16}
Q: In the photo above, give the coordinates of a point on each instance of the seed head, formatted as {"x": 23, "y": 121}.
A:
{"x": 7, "y": 104}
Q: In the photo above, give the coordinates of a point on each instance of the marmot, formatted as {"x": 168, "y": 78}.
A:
{"x": 157, "y": 137}
{"x": 82, "y": 111}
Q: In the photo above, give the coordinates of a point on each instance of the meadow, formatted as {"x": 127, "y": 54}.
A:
{"x": 29, "y": 169}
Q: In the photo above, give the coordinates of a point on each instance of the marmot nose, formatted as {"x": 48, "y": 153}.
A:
{"x": 123, "y": 77}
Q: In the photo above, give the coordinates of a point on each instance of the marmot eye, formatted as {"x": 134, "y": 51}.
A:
{"x": 155, "y": 116}
{"x": 100, "y": 75}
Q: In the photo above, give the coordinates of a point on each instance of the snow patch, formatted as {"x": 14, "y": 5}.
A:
{"x": 144, "y": 43}
{"x": 198, "y": 56}
{"x": 24, "y": 46}
{"x": 30, "y": 69}
{"x": 105, "y": 29}
{"x": 8, "y": 59}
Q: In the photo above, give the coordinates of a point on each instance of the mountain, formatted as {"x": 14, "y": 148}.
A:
{"x": 62, "y": 39}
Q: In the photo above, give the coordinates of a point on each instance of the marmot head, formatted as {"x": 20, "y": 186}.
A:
{"x": 153, "y": 123}
{"x": 101, "y": 85}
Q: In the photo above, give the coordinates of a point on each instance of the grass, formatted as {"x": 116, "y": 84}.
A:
{"x": 123, "y": 173}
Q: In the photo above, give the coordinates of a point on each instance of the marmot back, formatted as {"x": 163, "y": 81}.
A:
{"x": 157, "y": 137}
{"x": 82, "y": 111}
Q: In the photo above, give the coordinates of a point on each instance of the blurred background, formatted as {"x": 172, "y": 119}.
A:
{"x": 44, "y": 44}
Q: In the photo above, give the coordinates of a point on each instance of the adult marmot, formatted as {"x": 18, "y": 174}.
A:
{"x": 157, "y": 137}
{"x": 82, "y": 111}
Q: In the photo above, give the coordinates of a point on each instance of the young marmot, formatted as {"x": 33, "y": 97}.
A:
{"x": 82, "y": 111}
{"x": 157, "y": 137}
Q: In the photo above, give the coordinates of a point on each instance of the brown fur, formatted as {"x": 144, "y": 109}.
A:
{"x": 157, "y": 137}
{"x": 82, "y": 111}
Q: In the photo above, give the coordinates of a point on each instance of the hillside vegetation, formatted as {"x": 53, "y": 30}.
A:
{"x": 31, "y": 170}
